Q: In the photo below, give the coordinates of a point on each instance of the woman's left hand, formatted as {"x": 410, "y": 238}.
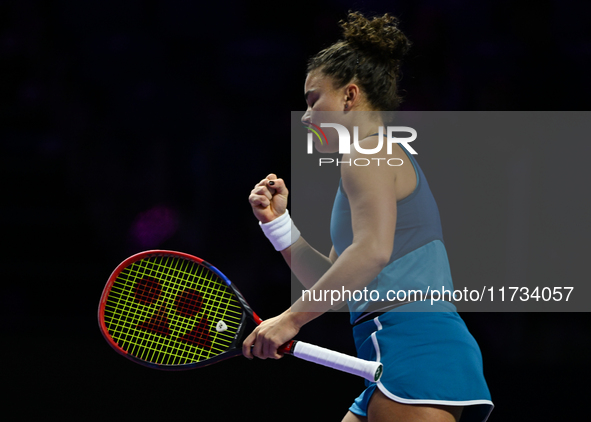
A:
{"x": 271, "y": 334}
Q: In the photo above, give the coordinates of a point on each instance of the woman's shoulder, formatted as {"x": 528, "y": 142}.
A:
{"x": 370, "y": 165}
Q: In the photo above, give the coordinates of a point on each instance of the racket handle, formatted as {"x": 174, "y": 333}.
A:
{"x": 371, "y": 371}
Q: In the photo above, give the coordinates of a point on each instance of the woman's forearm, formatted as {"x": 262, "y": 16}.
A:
{"x": 307, "y": 263}
{"x": 356, "y": 267}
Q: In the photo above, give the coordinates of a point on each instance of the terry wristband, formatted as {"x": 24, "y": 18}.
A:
{"x": 281, "y": 232}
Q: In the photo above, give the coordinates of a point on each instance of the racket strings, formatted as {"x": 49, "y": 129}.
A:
{"x": 167, "y": 310}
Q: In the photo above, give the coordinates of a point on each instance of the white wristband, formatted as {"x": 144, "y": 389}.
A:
{"x": 281, "y": 232}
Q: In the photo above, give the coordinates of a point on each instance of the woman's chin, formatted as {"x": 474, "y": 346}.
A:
{"x": 326, "y": 148}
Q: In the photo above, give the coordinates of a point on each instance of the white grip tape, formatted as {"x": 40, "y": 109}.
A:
{"x": 369, "y": 370}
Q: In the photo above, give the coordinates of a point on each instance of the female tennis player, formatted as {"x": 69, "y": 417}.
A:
{"x": 386, "y": 235}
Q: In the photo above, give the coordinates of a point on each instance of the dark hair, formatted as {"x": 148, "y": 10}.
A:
{"x": 370, "y": 54}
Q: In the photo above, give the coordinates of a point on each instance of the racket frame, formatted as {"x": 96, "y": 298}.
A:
{"x": 369, "y": 370}
{"x": 233, "y": 350}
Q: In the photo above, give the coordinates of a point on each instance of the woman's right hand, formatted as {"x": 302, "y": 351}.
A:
{"x": 268, "y": 199}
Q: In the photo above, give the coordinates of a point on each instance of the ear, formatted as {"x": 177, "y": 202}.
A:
{"x": 351, "y": 96}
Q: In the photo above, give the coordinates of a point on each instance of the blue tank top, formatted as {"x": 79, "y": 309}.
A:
{"x": 419, "y": 260}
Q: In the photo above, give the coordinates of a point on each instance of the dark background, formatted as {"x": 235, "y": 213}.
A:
{"x": 131, "y": 125}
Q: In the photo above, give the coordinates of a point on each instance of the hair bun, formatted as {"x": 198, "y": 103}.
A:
{"x": 379, "y": 37}
{"x": 370, "y": 55}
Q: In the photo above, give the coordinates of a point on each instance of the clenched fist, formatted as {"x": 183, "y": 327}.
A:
{"x": 269, "y": 198}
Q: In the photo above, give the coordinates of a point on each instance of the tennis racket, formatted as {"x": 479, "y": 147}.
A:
{"x": 172, "y": 311}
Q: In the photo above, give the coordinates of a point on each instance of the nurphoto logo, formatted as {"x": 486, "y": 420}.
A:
{"x": 345, "y": 143}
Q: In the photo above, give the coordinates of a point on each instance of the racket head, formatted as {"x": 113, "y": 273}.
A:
{"x": 172, "y": 311}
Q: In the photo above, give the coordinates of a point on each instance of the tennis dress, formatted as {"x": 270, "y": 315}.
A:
{"x": 429, "y": 356}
